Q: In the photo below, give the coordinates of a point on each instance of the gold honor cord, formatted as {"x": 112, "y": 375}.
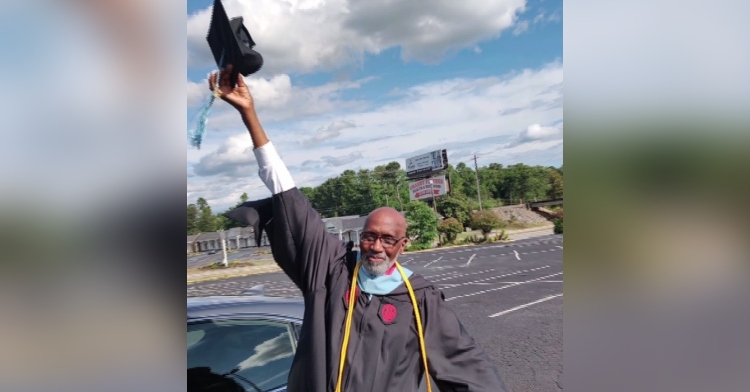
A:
{"x": 350, "y": 313}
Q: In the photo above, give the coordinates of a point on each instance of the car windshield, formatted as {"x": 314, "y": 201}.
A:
{"x": 239, "y": 355}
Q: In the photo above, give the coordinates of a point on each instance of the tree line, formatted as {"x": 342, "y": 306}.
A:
{"x": 359, "y": 192}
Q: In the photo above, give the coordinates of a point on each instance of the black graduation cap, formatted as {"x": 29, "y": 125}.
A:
{"x": 231, "y": 43}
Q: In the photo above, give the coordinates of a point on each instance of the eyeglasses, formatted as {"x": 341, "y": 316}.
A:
{"x": 386, "y": 240}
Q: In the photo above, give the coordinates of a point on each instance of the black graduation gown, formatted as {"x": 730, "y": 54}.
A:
{"x": 384, "y": 353}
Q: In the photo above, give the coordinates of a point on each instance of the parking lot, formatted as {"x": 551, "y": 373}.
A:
{"x": 508, "y": 296}
{"x": 244, "y": 254}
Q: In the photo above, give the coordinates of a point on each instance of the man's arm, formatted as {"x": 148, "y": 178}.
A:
{"x": 300, "y": 243}
{"x": 299, "y": 240}
{"x": 456, "y": 362}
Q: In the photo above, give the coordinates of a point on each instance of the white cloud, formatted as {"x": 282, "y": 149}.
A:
{"x": 301, "y": 36}
{"x": 197, "y": 93}
{"x": 537, "y": 132}
{"x": 467, "y": 116}
{"x": 234, "y": 158}
{"x": 330, "y": 132}
{"x": 343, "y": 159}
{"x": 521, "y": 27}
{"x": 268, "y": 93}
{"x": 276, "y": 99}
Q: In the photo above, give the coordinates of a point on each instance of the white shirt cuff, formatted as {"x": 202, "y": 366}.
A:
{"x": 273, "y": 172}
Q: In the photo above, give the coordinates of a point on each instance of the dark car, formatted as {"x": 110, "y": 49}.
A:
{"x": 241, "y": 343}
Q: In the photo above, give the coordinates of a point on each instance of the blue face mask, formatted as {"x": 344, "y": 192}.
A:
{"x": 381, "y": 285}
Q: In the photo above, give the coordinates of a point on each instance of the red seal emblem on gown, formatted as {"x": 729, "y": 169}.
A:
{"x": 388, "y": 313}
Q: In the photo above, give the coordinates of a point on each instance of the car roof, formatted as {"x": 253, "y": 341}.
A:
{"x": 223, "y": 306}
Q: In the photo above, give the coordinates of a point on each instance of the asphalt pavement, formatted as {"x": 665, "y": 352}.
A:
{"x": 244, "y": 254}
{"x": 507, "y": 295}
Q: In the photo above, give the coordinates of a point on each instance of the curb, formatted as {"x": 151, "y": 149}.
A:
{"x": 200, "y": 277}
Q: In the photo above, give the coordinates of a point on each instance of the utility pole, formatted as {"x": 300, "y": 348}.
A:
{"x": 476, "y": 172}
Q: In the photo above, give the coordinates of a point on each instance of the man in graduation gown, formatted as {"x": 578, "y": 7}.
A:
{"x": 383, "y": 353}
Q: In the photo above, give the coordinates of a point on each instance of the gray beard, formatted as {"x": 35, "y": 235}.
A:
{"x": 378, "y": 269}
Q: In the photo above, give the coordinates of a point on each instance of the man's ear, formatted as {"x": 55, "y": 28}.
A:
{"x": 403, "y": 247}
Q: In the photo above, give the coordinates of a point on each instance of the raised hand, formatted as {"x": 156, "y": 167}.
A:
{"x": 238, "y": 96}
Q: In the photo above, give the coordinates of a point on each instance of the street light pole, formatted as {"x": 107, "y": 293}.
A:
{"x": 223, "y": 248}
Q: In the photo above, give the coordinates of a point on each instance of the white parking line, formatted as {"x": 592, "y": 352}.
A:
{"x": 438, "y": 259}
{"x": 455, "y": 274}
{"x": 541, "y": 281}
{"x": 559, "y": 246}
{"x": 470, "y": 258}
{"x": 525, "y": 305}
{"x": 516, "y": 252}
{"x": 495, "y": 277}
{"x": 501, "y": 288}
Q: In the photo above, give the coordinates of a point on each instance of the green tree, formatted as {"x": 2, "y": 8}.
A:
{"x": 555, "y": 185}
{"x": 206, "y": 220}
{"x": 388, "y": 178}
{"x": 243, "y": 198}
{"x": 192, "y": 219}
{"x": 486, "y": 221}
{"x": 421, "y": 223}
{"x": 450, "y": 227}
{"x": 465, "y": 180}
{"x": 523, "y": 182}
{"x": 308, "y": 192}
{"x": 221, "y": 222}
{"x": 455, "y": 205}
{"x": 491, "y": 178}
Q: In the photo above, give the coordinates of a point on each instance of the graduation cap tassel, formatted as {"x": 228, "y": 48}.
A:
{"x": 196, "y": 135}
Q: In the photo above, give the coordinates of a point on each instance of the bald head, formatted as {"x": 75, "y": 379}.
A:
{"x": 386, "y": 217}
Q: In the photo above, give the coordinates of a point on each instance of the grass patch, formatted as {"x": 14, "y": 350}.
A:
{"x": 416, "y": 246}
{"x": 234, "y": 264}
{"x": 525, "y": 225}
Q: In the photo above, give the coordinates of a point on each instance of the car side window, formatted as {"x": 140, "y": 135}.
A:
{"x": 239, "y": 355}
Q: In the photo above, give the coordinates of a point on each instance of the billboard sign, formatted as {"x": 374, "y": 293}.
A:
{"x": 423, "y": 190}
{"x": 425, "y": 164}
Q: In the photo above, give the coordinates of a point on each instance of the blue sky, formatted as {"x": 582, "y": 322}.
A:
{"x": 349, "y": 84}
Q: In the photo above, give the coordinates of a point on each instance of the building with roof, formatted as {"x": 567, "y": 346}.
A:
{"x": 236, "y": 238}
{"x": 347, "y": 228}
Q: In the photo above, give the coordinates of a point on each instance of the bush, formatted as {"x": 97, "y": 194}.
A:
{"x": 486, "y": 221}
{"x": 501, "y": 236}
{"x": 450, "y": 227}
{"x": 558, "y": 225}
{"x": 472, "y": 239}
